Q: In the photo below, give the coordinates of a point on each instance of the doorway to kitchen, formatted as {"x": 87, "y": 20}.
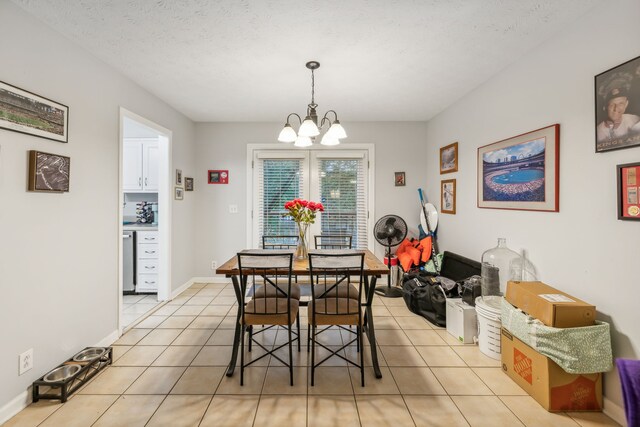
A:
{"x": 144, "y": 218}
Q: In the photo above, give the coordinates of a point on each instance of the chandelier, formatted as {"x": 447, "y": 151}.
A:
{"x": 309, "y": 128}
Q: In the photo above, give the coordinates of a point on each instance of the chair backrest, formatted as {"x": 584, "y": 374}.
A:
{"x": 279, "y": 242}
{"x": 333, "y": 241}
{"x": 265, "y": 268}
{"x": 330, "y": 269}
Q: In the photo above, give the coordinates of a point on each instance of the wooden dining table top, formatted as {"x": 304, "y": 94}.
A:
{"x": 372, "y": 265}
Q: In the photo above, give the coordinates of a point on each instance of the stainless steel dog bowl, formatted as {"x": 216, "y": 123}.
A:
{"x": 62, "y": 373}
{"x": 89, "y": 354}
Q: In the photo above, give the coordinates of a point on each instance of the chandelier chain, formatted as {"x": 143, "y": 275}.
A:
{"x": 313, "y": 86}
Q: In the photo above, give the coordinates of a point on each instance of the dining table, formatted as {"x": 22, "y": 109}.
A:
{"x": 373, "y": 269}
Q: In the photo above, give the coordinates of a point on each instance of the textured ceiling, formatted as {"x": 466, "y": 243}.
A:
{"x": 243, "y": 60}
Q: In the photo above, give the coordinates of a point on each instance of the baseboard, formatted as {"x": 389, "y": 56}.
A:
{"x": 14, "y": 406}
{"x": 25, "y": 398}
{"x": 212, "y": 279}
{"x": 615, "y": 411}
{"x": 181, "y": 289}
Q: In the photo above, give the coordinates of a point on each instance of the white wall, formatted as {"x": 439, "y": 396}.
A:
{"x": 399, "y": 146}
{"x": 58, "y": 252}
{"x": 583, "y": 249}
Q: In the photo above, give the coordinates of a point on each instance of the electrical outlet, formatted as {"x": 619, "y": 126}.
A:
{"x": 233, "y": 209}
{"x": 214, "y": 265}
{"x": 26, "y": 361}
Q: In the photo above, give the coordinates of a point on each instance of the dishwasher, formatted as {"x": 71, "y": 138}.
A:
{"x": 128, "y": 261}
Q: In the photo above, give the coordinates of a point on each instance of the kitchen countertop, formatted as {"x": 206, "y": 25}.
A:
{"x": 140, "y": 227}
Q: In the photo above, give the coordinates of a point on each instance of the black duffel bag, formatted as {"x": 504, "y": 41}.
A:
{"x": 424, "y": 296}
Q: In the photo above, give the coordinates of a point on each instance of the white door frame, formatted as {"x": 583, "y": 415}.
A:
{"x": 164, "y": 207}
{"x": 252, "y": 148}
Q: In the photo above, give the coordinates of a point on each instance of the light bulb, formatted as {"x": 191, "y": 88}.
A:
{"x": 337, "y": 131}
{"x": 303, "y": 141}
{"x": 287, "y": 134}
{"x": 308, "y": 128}
{"x": 329, "y": 140}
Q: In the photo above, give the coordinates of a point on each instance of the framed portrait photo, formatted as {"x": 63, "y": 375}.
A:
{"x": 628, "y": 177}
{"x": 188, "y": 184}
{"x": 179, "y": 177}
{"x": 31, "y": 114}
{"x": 179, "y": 193}
{"x": 522, "y": 172}
{"x": 448, "y": 196}
{"x": 449, "y": 158}
{"x": 400, "y": 179}
{"x": 618, "y": 107}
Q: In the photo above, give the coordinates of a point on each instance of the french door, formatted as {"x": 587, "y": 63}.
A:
{"x": 340, "y": 179}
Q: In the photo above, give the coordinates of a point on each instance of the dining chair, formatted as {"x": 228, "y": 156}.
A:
{"x": 329, "y": 270}
{"x": 279, "y": 242}
{"x": 259, "y": 269}
{"x": 333, "y": 241}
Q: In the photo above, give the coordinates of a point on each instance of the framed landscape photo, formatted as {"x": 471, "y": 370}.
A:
{"x": 31, "y": 114}
{"x": 449, "y": 158}
{"x": 522, "y": 172}
{"x": 448, "y": 196}
{"x": 628, "y": 177}
{"x": 188, "y": 184}
{"x": 48, "y": 172}
{"x": 618, "y": 107}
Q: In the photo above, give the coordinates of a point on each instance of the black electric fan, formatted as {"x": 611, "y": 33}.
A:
{"x": 389, "y": 231}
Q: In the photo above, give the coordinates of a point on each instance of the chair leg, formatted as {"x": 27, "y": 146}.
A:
{"x": 291, "y": 357}
{"x": 242, "y": 355}
{"x": 308, "y": 338}
{"x": 250, "y": 337}
{"x": 313, "y": 354}
{"x": 357, "y": 340}
{"x": 360, "y": 342}
{"x": 298, "y": 327}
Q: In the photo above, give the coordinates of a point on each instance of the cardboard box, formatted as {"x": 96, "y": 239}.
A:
{"x": 551, "y": 306}
{"x": 548, "y": 383}
{"x": 462, "y": 321}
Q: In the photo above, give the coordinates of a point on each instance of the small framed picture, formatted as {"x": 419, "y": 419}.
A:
{"x": 218, "y": 176}
{"x": 188, "y": 184}
{"x": 48, "y": 172}
{"x": 179, "y": 193}
{"x": 179, "y": 177}
{"x": 399, "y": 179}
{"x": 449, "y": 158}
{"x": 448, "y": 196}
{"x": 628, "y": 177}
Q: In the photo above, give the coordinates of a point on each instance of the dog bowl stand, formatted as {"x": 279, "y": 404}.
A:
{"x": 69, "y": 385}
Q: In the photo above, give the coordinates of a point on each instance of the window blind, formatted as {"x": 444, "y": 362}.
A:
{"x": 342, "y": 189}
{"x": 279, "y": 180}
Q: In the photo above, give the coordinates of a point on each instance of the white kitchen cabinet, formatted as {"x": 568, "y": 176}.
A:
{"x": 140, "y": 165}
{"x": 147, "y": 250}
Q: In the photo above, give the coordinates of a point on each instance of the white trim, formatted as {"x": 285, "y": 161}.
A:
{"x": 615, "y": 411}
{"x": 15, "y": 405}
{"x": 212, "y": 279}
{"x": 25, "y": 398}
{"x": 165, "y": 202}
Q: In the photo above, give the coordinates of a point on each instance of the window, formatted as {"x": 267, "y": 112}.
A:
{"x": 337, "y": 178}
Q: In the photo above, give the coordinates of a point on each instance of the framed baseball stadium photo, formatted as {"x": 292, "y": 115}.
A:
{"x": 522, "y": 172}
{"x": 618, "y": 107}
{"x": 28, "y": 113}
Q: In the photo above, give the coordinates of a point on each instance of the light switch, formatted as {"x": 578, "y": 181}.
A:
{"x": 233, "y": 209}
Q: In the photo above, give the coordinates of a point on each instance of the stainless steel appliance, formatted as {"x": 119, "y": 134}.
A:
{"x": 128, "y": 261}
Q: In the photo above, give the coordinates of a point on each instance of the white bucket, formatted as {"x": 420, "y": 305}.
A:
{"x": 488, "y": 309}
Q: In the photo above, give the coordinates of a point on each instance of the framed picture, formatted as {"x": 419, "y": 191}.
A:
{"x": 448, "y": 196}
{"x": 618, "y": 107}
{"x": 188, "y": 184}
{"x": 449, "y": 158}
{"x": 179, "y": 177}
{"x": 628, "y": 177}
{"x": 25, "y": 112}
{"x": 218, "y": 177}
{"x": 399, "y": 179}
{"x": 179, "y": 195}
{"x": 48, "y": 172}
{"x": 521, "y": 172}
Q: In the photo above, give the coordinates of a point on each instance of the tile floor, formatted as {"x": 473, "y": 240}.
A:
{"x": 136, "y": 306}
{"x": 169, "y": 371}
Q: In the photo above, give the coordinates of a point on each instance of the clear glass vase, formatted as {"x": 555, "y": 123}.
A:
{"x": 496, "y": 263}
{"x": 302, "y": 251}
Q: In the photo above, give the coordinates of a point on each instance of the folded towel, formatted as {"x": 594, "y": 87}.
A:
{"x": 629, "y": 371}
